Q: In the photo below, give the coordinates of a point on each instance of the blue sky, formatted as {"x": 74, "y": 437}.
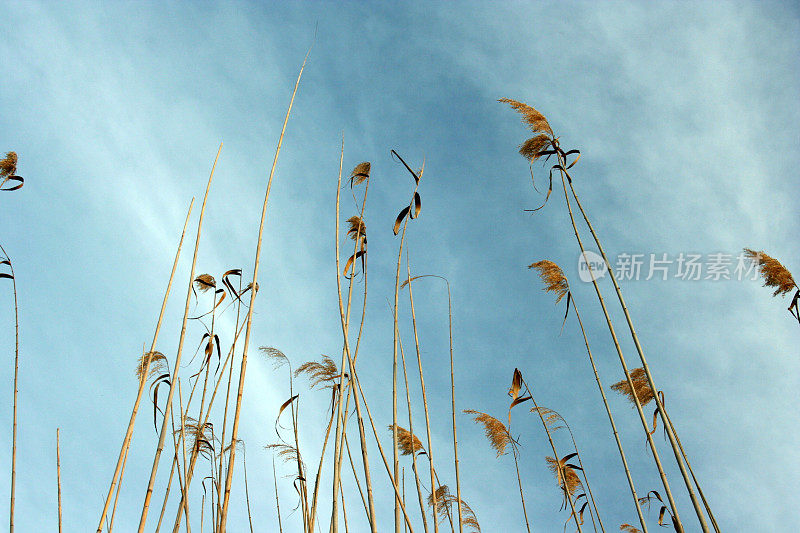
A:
{"x": 686, "y": 115}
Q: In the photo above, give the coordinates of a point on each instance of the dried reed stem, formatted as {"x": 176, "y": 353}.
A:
{"x": 560, "y": 469}
{"x": 434, "y": 504}
{"x": 640, "y": 351}
{"x": 350, "y": 359}
{"x": 452, "y": 392}
{"x": 176, "y": 368}
{"x": 397, "y": 521}
{"x": 242, "y": 371}
{"x": 408, "y": 442}
{"x": 16, "y": 387}
{"x": 277, "y": 499}
{"x": 126, "y": 441}
{"x": 611, "y": 421}
{"x": 116, "y": 493}
{"x": 166, "y": 495}
{"x": 58, "y": 474}
{"x": 613, "y": 333}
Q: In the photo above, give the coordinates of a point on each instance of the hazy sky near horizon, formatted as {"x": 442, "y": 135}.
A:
{"x": 686, "y": 115}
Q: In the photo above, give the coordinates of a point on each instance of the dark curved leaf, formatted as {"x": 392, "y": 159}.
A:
{"x": 399, "y": 219}
{"x": 18, "y": 179}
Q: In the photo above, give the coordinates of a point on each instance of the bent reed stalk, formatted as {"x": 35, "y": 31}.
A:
{"x": 143, "y": 381}
{"x": 557, "y": 282}
{"x": 176, "y": 368}
{"x": 249, "y": 320}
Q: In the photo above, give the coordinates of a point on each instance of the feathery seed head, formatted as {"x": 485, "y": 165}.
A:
{"x": 357, "y": 228}
{"x": 360, "y": 173}
{"x": 319, "y": 373}
{"x": 154, "y": 362}
{"x": 553, "y": 277}
{"x": 774, "y": 273}
{"x": 408, "y": 443}
{"x": 8, "y": 165}
{"x": 496, "y": 432}
{"x": 573, "y": 482}
{"x": 640, "y": 384}
{"x": 205, "y": 282}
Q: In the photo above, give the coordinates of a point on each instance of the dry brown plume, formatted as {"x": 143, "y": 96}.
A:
{"x": 8, "y": 165}
{"x": 319, "y": 373}
{"x": 357, "y": 228}
{"x": 285, "y": 452}
{"x": 360, "y": 173}
{"x": 445, "y": 501}
{"x": 573, "y": 481}
{"x": 496, "y": 432}
{"x": 639, "y": 380}
{"x": 530, "y": 116}
{"x": 629, "y": 528}
{"x": 275, "y": 355}
{"x": 539, "y": 144}
{"x": 407, "y": 442}
{"x": 550, "y": 417}
{"x": 553, "y": 278}
{"x": 205, "y": 282}
{"x": 774, "y": 273}
{"x": 154, "y": 362}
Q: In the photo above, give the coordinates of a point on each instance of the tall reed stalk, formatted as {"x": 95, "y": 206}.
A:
{"x": 562, "y": 473}
{"x": 557, "y": 282}
{"x": 254, "y": 284}
{"x": 12, "y": 276}
{"x": 58, "y": 474}
{"x": 544, "y": 143}
{"x": 452, "y": 392}
{"x": 670, "y": 430}
{"x": 347, "y": 358}
{"x": 143, "y": 379}
{"x": 434, "y": 503}
{"x": 404, "y": 216}
{"x": 176, "y": 368}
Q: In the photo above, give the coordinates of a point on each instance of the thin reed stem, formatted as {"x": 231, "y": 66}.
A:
{"x": 413, "y": 451}
{"x": 126, "y": 441}
{"x": 16, "y": 391}
{"x": 424, "y": 397}
{"x": 611, "y": 420}
{"x": 561, "y": 469}
{"x": 638, "y": 404}
{"x": 176, "y": 368}
{"x": 242, "y": 371}
{"x": 670, "y": 431}
{"x": 58, "y": 475}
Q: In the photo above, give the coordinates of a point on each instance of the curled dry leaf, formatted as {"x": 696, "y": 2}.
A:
{"x": 399, "y": 219}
